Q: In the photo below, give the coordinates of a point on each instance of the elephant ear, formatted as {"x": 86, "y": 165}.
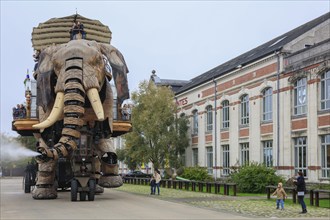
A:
{"x": 46, "y": 80}
{"x": 45, "y": 89}
{"x": 119, "y": 69}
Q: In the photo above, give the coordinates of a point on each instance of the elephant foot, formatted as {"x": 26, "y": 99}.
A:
{"x": 111, "y": 181}
{"x": 44, "y": 193}
{"x": 99, "y": 189}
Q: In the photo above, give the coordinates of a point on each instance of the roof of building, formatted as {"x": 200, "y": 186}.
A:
{"x": 57, "y": 31}
{"x": 174, "y": 84}
{"x": 263, "y": 50}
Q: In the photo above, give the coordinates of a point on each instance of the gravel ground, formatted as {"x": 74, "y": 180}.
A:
{"x": 255, "y": 206}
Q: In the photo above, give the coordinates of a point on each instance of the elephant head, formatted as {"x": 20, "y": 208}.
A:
{"x": 73, "y": 85}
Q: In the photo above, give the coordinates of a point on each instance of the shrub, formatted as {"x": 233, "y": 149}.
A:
{"x": 254, "y": 178}
{"x": 196, "y": 173}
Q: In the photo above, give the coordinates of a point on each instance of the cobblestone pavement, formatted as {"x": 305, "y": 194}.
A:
{"x": 253, "y": 207}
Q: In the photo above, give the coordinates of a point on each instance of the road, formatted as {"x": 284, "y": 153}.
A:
{"x": 112, "y": 204}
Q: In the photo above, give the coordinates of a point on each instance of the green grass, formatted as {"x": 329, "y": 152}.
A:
{"x": 323, "y": 203}
{"x": 256, "y": 206}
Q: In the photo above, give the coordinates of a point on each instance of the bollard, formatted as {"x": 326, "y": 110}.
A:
{"x": 311, "y": 197}
{"x": 235, "y": 189}
{"x": 216, "y": 188}
{"x": 268, "y": 192}
{"x": 193, "y": 186}
{"x": 200, "y": 186}
{"x": 186, "y": 185}
{"x": 180, "y": 184}
{"x": 208, "y": 187}
{"x": 174, "y": 184}
{"x": 169, "y": 185}
{"x": 317, "y": 197}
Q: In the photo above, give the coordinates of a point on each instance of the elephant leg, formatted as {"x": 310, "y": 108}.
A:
{"x": 45, "y": 188}
{"x": 97, "y": 175}
{"x": 109, "y": 165}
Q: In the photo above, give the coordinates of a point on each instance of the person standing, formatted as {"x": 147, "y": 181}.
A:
{"x": 152, "y": 185}
{"x": 301, "y": 188}
{"x": 158, "y": 178}
{"x": 280, "y": 194}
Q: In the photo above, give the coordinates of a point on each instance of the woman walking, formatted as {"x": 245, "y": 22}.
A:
{"x": 158, "y": 178}
{"x": 301, "y": 188}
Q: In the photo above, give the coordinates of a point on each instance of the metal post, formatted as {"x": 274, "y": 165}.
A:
{"x": 278, "y": 109}
{"x": 215, "y": 129}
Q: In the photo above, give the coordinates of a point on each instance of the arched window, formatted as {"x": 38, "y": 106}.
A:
{"x": 325, "y": 90}
{"x": 195, "y": 122}
{"x": 267, "y": 104}
{"x": 209, "y": 118}
{"x": 225, "y": 114}
{"x": 245, "y": 112}
{"x": 300, "y": 96}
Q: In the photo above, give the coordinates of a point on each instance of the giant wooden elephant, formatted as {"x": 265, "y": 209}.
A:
{"x": 74, "y": 92}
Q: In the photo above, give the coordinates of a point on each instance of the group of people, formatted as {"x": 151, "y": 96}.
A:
{"x": 155, "y": 182}
{"x": 77, "y": 28}
{"x": 301, "y": 188}
{"x": 126, "y": 111}
{"x": 19, "y": 111}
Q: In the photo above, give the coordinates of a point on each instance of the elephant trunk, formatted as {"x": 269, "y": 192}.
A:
{"x": 72, "y": 104}
{"x": 74, "y": 101}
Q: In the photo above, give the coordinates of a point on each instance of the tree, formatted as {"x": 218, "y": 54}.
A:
{"x": 158, "y": 135}
{"x": 124, "y": 156}
{"x": 254, "y": 177}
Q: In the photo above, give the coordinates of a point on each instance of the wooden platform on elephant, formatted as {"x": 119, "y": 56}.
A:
{"x": 121, "y": 127}
{"x": 24, "y": 127}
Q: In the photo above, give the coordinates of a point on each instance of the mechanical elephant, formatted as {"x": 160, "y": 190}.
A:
{"x": 74, "y": 94}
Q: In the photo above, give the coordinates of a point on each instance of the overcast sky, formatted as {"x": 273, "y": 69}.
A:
{"x": 179, "y": 39}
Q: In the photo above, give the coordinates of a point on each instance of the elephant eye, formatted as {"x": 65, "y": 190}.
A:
{"x": 107, "y": 65}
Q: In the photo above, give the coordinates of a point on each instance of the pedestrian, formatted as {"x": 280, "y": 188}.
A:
{"x": 22, "y": 111}
{"x": 74, "y": 31}
{"x": 280, "y": 196}
{"x": 301, "y": 188}
{"x": 81, "y": 30}
{"x": 15, "y": 113}
{"x": 152, "y": 185}
{"x": 158, "y": 178}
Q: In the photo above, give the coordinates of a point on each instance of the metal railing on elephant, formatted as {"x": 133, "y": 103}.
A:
{"x": 195, "y": 186}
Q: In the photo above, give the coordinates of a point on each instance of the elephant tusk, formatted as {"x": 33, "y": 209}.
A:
{"x": 95, "y": 101}
{"x": 55, "y": 113}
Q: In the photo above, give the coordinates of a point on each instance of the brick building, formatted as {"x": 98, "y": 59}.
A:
{"x": 269, "y": 105}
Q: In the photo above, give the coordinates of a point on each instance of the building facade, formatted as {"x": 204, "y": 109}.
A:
{"x": 269, "y": 105}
